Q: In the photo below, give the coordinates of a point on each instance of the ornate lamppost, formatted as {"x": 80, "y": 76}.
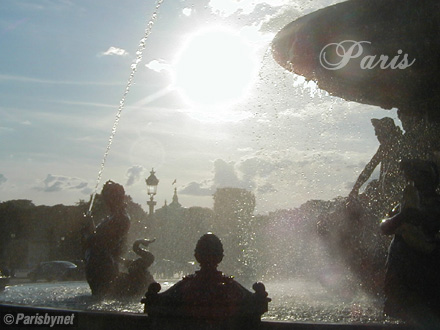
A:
{"x": 152, "y": 183}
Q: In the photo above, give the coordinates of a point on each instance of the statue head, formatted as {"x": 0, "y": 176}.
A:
{"x": 209, "y": 251}
{"x": 385, "y": 129}
{"x": 113, "y": 195}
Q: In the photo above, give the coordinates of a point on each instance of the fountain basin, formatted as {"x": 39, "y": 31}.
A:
{"x": 392, "y": 28}
{"x": 123, "y": 320}
{"x": 296, "y": 304}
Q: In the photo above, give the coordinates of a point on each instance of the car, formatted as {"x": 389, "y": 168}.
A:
{"x": 54, "y": 270}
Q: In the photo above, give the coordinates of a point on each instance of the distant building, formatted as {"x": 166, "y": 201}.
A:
{"x": 175, "y": 203}
{"x": 170, "y": 212}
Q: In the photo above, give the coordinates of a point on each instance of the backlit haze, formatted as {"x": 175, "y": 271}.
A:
{"x": 209, "y": 106}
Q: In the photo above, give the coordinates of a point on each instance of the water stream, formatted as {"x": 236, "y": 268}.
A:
{"x": 139, "y": 54}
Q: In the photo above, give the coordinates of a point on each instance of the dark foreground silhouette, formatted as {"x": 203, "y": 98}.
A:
{"x": 104, "y": 247}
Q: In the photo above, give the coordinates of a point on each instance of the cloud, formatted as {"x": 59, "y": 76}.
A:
{"x": 134, "y": 174}
{"x": 256, "y": 170}
{"x": 158, "y": 65}
{"x": 196, "y": 189}
{"x": 3, "y": 179}
{"x": 114, "y": 51}
{"x": 56, "y": 183}
{"x": 31, "y": 80}
{"x": 225, "y": 175}
{"x": 226, "y": 8}
{"x": 251, "y": 174}
{"x": 256, "y": 166}
{"x": 55, "y": 5}
{"x": 187, "y": 11}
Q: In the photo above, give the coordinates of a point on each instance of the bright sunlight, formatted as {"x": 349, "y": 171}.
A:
{"x": 216, "y": 67}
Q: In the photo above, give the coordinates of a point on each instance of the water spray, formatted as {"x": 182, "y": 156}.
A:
{"x": 139, "y": 54}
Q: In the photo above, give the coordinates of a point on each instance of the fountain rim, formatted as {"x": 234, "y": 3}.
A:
{"x": 130, "y": 320}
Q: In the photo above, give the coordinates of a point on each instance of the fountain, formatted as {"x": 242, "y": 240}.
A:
{"x": 305, "y": 302}
{"x": 381, "y": 53}
{"x": 411, "y": 284}
{"x": 104, "y": 248}
{"x": 374, "y": 52}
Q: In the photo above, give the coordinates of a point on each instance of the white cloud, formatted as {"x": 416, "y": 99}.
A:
{"x": 251, "y": 174}
{"x": 225, "y": 175}
{"x": 134, "y": 174}
{"x": 31, "y": 80}
{"x": 54, "y": 5}
{"x": 197, "y": 189}
{"x": 114, "y": 51}
{"x": 245, "y": 7}
{"x": 3, "y": 179}
{"x": 187, "y": 11}
{"x": 158, "y": 65}
{"x": 57, "y": 183}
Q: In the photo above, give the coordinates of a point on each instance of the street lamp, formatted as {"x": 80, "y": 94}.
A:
{"x": 152, "y": 183}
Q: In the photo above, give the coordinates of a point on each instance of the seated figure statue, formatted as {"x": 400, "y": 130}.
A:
{"x": 104, "y": 246}
{"x": 412, "y": 286}
{"x": 208, "y": 295}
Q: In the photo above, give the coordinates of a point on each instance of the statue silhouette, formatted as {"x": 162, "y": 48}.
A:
{"x": 105, "y": 244}
{"x": 208, "y": 295}
{"x": 386, "y": 190}
{"x": 412, "y": 286}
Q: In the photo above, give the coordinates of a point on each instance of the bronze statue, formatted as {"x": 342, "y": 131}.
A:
{"x": 208, "y": 295}
{"x": 105, "y": 245}
{"x": 412, "y": 286}
{"x": 136, "y": 281}
{"x": 386, "y": 190}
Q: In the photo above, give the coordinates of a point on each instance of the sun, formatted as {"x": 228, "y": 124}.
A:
{"x": 216, "y": 67}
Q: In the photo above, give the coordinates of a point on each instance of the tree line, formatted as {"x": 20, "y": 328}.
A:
{"x": 278, "y": 245}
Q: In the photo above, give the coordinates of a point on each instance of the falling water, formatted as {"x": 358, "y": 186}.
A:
{"x": 139, "y": 54}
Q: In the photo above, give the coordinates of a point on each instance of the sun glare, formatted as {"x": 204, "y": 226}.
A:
{"x": 216, "y": 67}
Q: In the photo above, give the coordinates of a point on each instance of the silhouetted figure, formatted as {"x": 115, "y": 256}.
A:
{"x": 208, "y": 296}
{"x": 386, "y": 190}
{"x": 412, "y": 284}
{"x": 104, "y": 246}
{"x": 349, "y": 228}
{"x": 135, "y": 283}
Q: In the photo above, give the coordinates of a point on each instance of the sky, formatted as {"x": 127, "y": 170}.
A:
{"x": 207, "y": 107}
